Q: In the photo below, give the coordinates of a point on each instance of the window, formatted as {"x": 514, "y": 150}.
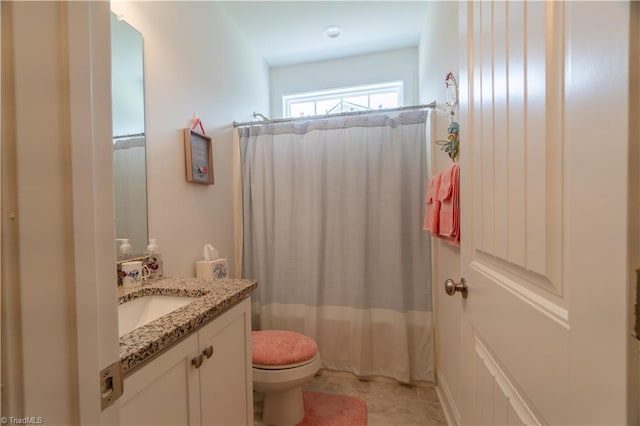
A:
{"x": 334, "y": 101}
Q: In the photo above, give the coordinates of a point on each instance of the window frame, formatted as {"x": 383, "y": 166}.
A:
{"x": 344, "y": 92}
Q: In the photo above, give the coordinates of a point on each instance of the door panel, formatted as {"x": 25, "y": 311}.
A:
{"x": 165, "y": 391}
{"x": 225, "y": 377}
{"x": 520, "y": 156}
{"x": 514, "y": 258}
{"x": 500, "y": 402}
{"x": 524, "y": 152}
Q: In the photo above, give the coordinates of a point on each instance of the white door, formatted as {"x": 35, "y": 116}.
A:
{"x": 89, "y": 72}
{"x": 58, "y": 262}
{"x": 544, "y": 98}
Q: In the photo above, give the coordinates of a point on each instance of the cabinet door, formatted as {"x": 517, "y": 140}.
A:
{"x": 164, "y": 392}
{"x": 225, "y": 378}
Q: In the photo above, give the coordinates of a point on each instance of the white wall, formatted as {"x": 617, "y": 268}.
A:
{"x": 391, "y": 65}
{"x": 195, "y": 60}
{"x": 438, "y": 55}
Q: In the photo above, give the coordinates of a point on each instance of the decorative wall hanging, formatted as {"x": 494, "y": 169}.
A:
{"x": 452, "y": 145}
{"x": 197, "y": 122}
{"x": 451, "y": 84}
{"x": 198, "y": 154}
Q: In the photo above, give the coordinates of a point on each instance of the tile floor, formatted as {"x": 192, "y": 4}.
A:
{"x": 388, "y": 403}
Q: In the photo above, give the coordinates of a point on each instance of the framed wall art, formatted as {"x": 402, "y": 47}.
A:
{"x": 199, "y": 157}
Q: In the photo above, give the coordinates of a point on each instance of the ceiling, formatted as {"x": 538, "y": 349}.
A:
{"x": 291, "y": 32}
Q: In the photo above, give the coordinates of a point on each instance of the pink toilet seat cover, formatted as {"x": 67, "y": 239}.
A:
{"x": 280, "y": 347}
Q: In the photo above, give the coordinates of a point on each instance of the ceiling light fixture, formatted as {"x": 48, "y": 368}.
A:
{"x": 333, "y": 31}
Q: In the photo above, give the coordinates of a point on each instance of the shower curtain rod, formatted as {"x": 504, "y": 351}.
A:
{"x": 129, "y": 136}
{"x": 432, "y": 105}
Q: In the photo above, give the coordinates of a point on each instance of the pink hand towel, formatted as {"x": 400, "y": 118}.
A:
{"x": 449, "y": 196}
{"x": 432, "y": 205}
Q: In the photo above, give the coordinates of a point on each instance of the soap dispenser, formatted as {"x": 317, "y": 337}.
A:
{"x": 153, "y": 260}
{"x": 125, "y": 247}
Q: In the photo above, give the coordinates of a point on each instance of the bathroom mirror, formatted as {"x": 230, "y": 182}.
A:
{"x": 129, "y": 141}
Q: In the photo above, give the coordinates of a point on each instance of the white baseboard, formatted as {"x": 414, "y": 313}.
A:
{"x": 451, "y": 412}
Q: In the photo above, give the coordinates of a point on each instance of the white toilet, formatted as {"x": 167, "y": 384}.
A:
{"x": 282, "y": 362}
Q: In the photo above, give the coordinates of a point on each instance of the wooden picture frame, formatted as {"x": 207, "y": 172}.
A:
{"x": 198, "y": 155}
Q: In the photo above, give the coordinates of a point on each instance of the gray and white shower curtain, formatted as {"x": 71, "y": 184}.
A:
{"x": 332, "y": 214}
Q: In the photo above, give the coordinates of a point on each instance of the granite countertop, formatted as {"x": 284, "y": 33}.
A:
{"x": 215, "y": 297}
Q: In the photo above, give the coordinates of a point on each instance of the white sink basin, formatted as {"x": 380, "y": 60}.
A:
{"x": 143, "y": 310}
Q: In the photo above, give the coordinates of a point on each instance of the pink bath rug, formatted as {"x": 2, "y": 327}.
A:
{"x": 328, "y": 409}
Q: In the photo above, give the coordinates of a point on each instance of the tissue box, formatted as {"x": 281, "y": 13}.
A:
{"x": 212, "y": 268}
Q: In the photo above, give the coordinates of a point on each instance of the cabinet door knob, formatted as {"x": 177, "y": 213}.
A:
{"x": 197, "y": 361}
{"x": 208, "y": 351}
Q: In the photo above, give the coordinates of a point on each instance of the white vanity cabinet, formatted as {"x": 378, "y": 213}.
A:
{"x": 203, "y": 380}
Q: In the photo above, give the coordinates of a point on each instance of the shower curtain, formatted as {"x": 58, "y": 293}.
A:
{"x": 332, "y": 215}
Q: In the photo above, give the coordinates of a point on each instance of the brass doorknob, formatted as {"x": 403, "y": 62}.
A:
{"x": 451, "y": 287}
